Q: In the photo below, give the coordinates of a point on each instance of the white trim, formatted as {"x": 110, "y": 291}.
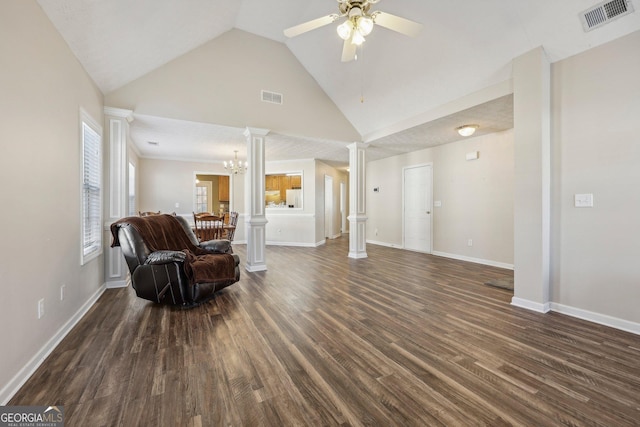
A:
{"x": 12, "y": 387}
{"x": 118, "y": 112}
{"x": 530, "y": 305}
{"x": 116, "y": 284}
{"x": 115, "y": 264}
{"x": 601, "y": 319}
{"x": 86, "y": 118}
{"x": 388, "y": 245}
{"x": 289, "y": 212}
{"x": 297, "y": 244}
{"x": 475, "y": 260}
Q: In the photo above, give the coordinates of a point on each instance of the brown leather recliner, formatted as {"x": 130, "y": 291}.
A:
{"x": 168, "y": 275}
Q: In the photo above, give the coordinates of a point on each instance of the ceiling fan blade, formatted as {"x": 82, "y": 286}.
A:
{"x": 348, "y": 50}
{"x": 310, "y": 25}
{"x": 398, "y": 24}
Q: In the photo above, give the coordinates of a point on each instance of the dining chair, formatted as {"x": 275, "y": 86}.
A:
{"x": 231, "y": 227}
{"x": 208, "y": 227}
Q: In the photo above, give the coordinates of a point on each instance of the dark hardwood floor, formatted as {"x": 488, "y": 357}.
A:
{"x": 399, "y": 338}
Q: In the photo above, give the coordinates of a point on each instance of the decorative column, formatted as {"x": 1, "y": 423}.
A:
{"x": 256, "y": 220}
{"x": 357, "y": 206}
{"x": 532, "y": 185}
{"x": 115, "y": 184}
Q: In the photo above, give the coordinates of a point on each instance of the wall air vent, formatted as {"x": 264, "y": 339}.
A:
{"x": 272, "y": 97}
{"x": 604, "y": 13}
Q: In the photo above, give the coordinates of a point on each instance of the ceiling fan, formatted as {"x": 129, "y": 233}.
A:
{"x": 358, "y": 25}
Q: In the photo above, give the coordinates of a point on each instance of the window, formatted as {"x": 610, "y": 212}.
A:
{"x": 202, "y": 198}
{"x": 91, "y": 134}
{"x": 132, "y": 189}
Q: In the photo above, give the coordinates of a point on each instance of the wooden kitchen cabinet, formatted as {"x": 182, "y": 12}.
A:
{"x": 296, "y": 181}
{"x": 223, "y": 188}
{"x": 271, "y": 183}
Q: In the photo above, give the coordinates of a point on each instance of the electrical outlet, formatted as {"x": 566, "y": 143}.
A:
{"x": 62, "y": 289}
{"x": 40, "y": 308}
{"x": 470, "y": 242}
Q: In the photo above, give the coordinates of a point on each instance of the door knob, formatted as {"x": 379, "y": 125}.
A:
{"x": 428, "y": 212}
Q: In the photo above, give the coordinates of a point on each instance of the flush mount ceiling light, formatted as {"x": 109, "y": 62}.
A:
{"x": 467, "y": 130}
{"x": 236, "y": 166}
{"x": 359, "y": 24}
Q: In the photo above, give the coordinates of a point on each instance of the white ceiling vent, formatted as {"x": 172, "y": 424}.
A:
{"x": 272, "y": 97}
{"x": 604, "y": 13}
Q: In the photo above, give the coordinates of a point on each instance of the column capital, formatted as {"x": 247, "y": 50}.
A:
{"x": 356, "y": 145}
{"x": 120, "y": 113}
{"x": 255, "y": 131}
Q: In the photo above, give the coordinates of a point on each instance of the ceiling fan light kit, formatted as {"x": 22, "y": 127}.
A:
{"x": 359, "y": 24}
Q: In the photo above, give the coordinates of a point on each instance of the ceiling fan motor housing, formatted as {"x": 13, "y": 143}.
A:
{"x": 359, "y": 7}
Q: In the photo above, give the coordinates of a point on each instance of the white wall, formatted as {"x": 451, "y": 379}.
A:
{"x": 163, "y": 183}
{"x": 294, "y": 227}
{"x": 476, "y": 197}
{"x": 596, "y": 150}
{"x": 42, "y": 89}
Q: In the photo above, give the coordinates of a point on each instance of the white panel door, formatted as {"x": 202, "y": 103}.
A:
{"x": 418, "y": 187}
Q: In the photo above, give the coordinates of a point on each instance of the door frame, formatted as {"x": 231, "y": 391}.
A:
{"x": 404, "y": 168}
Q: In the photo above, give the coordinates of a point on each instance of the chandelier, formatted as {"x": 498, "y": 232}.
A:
{"x": 236, "y": 166}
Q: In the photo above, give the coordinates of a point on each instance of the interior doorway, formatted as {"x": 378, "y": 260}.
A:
{"x": 417, "y": 186}
{"x": 212, "y": 193}
{"x": 343, "y": 207}
{"x": 328, "y": 207}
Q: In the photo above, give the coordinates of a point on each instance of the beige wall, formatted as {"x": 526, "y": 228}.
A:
{"x": 476, "y": 197}
{"x": 596, "y": 149}
{"x": 163, "y": 183}
{"x": 338, "y": 176}
{"x": 41, "y": 91}
{"x": 220, "y": 82}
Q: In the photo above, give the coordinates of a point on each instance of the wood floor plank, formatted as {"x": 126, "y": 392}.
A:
{"x": 396, "y": 339}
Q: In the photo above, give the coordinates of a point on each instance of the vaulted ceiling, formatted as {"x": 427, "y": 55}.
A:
{"x": 465, "y": 46}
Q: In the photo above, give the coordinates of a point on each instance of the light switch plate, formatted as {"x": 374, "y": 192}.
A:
{"x": 583, "y": 200}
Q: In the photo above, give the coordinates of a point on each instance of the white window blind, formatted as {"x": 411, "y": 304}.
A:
{"x": 91, "y": 190}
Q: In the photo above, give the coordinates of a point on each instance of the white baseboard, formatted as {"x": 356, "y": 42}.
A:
{"x": 474, "y": 260}
{"x": 298, "y": 244}
{"x": 530, "y": 305}
{"x": 601, "y": 319}
{"x": 10, "y": 389}
{"x": 116, "y": 284}
{"x": 388, "y": 245}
